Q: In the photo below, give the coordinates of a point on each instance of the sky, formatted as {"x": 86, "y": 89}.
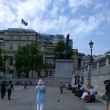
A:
{"x": 84, "y": 20}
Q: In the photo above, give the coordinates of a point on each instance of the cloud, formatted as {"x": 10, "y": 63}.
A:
{"x": 76, "y": 4}
{"x": 98, "y": 7}
{"x": 53, "y": 16}
{"x": 82, "y": 19}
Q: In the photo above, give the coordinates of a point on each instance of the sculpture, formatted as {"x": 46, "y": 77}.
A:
{"x": 66, "y": 55}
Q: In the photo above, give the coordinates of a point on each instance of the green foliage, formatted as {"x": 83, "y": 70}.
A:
{"x": 60, "y": 50}
{"x": 2, "y": 61}
{"x": 28, "y": 59}
{"x": 60, "y": 47}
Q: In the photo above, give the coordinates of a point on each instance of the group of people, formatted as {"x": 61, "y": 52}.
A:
{"x": 87, "y": 94}
{"x": 6, "y": 87}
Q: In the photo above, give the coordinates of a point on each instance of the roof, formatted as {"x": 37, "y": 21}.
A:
{"x": 50, "y": 37}
{"x": 19, "y": 30}
{"x": 99, "y": 57}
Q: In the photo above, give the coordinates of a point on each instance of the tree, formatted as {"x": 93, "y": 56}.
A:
{"x": 28, "y": 58}
{"x": 60, "y": 47}
{"x": 60, "y": 50}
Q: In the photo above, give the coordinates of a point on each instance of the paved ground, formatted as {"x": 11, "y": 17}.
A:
{"x": 25, "y": 100}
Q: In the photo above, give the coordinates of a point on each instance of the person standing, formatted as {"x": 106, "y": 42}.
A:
{"x": 40, "y": 94}
{"x": 3, "y": 89}
{"x": 66, "y": 85}
{"x": 9, "y": 89}
{"x": 25, "y": 85}
{"x": 107, "y": 88}
{"x": 61, "y": 87}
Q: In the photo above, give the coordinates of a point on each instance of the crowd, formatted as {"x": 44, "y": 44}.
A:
{"x": 6, "y": 88}
{"x": 87, "y": 94}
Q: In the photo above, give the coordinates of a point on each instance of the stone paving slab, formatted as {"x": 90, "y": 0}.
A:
{"x": 25, "y": 100}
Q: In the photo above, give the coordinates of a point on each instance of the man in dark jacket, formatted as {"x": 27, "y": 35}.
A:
{"x": 9, "y": 89}
{"x": 61, "y": 87}
{"x": 3, "y": 89}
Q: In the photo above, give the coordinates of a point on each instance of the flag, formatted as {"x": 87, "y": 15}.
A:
{"x": 24, "y": 22}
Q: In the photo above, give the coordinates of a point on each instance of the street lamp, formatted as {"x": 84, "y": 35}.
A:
{"x": 89, "y": 74}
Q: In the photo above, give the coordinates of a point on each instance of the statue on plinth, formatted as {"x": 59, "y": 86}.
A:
{"x": 66, "y": 53}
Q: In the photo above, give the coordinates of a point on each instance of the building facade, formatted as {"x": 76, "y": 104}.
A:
{"x": 77, "y": 61}
{"x": 100, "y": 70}
{"x": 47, "y": 44}
{"x": 13, "y": 38}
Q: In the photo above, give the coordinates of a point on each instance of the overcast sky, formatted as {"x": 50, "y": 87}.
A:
{"x": 84, "y": 20}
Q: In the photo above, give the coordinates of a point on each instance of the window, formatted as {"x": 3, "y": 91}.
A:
{"x": 109, "y": 60}
{"x": 46, "y": 73}
{"x": 27, "y": 37}
{"x": 94, "y": 65}
{"x": 79, "y": 63}
{"x": 11, "y": 61}
{"x": 49, "y": 61}
{"x": 87, "y": 68}
{"x": 48, "y": 44}
{"x": 19, "y": 37}
{"x": 102, "y": 62}
{"x": 39, "y": 74}
{"x": 11, "y": 37}
{"x": 82, "y": 79}
{"x": 11, "y": 45}
{"x": 19, "y": 44}
{"x": 50, "y": 73}
{"x": 82, "y": 69}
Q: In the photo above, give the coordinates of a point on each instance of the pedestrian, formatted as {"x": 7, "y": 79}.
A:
{"x": 107, "y": 88}
{"x": 61, "y": 87}
{"x": 12, "y": 86}
{"x": 40, "y": 94}
{"x": 25, "y": 85}
{"x": 3, "y": 89}
{"x": 66, "y": 85}
{"x": 9, "y": 89}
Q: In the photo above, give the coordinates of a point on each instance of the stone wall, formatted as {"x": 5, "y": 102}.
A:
{"x": 63, "y": 70}
{"x": 98, "y": 75}
{"x": 97, "y": 82}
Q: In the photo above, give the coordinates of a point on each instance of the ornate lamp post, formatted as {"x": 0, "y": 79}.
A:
{"x": 89, "y": 74}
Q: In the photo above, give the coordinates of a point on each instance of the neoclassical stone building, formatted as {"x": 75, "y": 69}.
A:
{"x": 47, "y": 44}
{"x": 13, "y": 38}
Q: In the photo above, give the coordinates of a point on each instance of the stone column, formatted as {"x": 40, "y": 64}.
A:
{"x": 97, "y": 65}
{"x": 107, "y": 61}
